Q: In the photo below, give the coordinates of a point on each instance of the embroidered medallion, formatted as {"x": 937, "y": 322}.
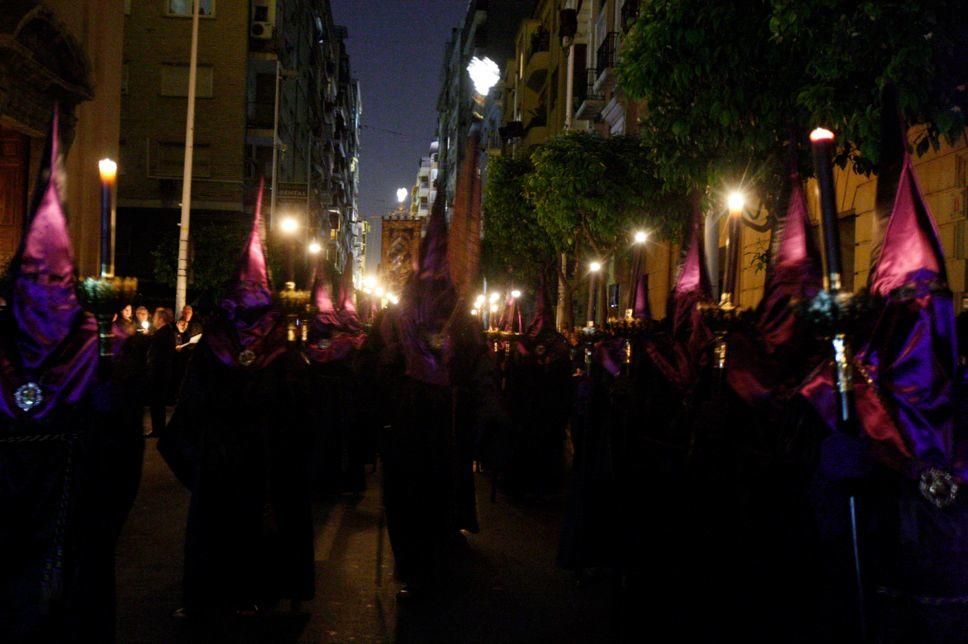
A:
{"x": 28, "y": 396}
{"x": 246, "y": 357}
{"x": 939, "y": 487}
{"x": 324, "y": 344}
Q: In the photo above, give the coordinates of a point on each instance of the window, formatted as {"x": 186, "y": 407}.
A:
{"x": 174, "y": 81}
{"x": 185, "y": 8}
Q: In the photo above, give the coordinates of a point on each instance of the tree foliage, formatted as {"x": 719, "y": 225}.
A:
{"x": 724, "y": 83}
{"x": 514, "y": 244}
{"x": 588, "y": 191}
{"x": 214, "y": 257}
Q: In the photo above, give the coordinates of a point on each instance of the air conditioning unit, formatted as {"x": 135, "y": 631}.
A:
{"x": 263, "y": 19}
{"x": 261, "y": 30}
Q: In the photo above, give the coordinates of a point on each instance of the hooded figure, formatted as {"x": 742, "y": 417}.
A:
{"x": 438, "y": 392}
{"x": 333, "y": 340}
{"x": 239, "y": 441}
{"x": 538, "y": 395}
{"x": 59, "y": 424}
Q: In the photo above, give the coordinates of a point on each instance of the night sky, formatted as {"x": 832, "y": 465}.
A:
{"x": 396, "y": 50}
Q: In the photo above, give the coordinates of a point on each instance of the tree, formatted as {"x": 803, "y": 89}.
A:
{"x": 588, "y": 192}
{"x": 214, "y": 258}
{"x": 725, "y": 83}
{"x": 515, "y": 246}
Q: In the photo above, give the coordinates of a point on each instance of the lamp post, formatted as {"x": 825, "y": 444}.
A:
{"x": 594, "y": 268}
{"x": 288, "y": 227}
{"x": 636, "y": 268}
{"x": 735, "y": 203}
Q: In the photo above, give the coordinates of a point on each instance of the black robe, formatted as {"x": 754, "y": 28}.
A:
{"x": 67, "y": 482}
{"x": 240, "y": 441}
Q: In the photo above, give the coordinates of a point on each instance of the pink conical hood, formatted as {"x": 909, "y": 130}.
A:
{"x": 911, "y": 241}
{"x": 44, "y": 302}
{"x": 692, "y": 285}
{"x": 52, "y": 347}
{"x": 252, "y": 289}
{"x": 641, "y": 309}
{"x": 323, "y": 298}
{"x": 433, "y": 261}
{"x": 543, "y": 315}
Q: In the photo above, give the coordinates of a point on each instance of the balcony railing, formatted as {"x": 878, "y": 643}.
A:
{"x": 586, "y": 91}
{"x": 605, "y": 57}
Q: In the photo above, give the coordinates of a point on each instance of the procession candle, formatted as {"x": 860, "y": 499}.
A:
{"x": 822, "y": 145}
{"x": 108, "y": 170}
{"x": 822, "y": 142}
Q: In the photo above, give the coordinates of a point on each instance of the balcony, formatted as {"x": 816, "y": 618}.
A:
{"x": 539, "y": 57}
{"x": 588, "y": 102}
{"x": 605, "y": 59}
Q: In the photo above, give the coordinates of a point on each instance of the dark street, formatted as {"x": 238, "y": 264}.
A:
{"x": 508, "y": 589}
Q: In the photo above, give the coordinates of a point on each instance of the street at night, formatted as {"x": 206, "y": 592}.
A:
{"x": 506, "y": 586}
{"x": 483, "y": 321}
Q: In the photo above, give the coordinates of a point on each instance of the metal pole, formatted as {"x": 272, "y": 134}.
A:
{"x": 181, "y": 283}
{"x": 570, "y": 89}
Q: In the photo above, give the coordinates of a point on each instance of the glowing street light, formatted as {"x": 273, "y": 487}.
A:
{"x": 595, "y": 267}
{"x": 315, "y": 248}
{"x": 640, "y": 236}
{"x": 515, "y": 293}
{"x": 735, "y": 202}
{"x": 288, "y": 225}
{"x": 484, "y": 74}
{"x": 479, "y": 301}
{"x": 494, "y": 297}
{"x": 402, "y": 195}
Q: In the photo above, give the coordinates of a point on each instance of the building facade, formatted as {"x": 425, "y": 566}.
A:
{"x": 424, "y": 191}
{"x": 67, "y": 51}
{"x": 274, "y": 100}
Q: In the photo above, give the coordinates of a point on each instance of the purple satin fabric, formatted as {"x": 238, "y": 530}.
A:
{"x": 265, "y": 336}
{"x": 906, "y": 371}
{"x": 54, "y": 342}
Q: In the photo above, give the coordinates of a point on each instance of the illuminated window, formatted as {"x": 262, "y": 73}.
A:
{"x": 184, "y": 8}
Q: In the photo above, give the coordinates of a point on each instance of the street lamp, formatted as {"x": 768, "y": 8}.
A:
{"x": 515, "y": 293}
{"x": 640, "y": 237}
{"x": 402, "y": 195}
{"x": 735, "y": 202}
{"x": 314, "y": 248}
{"x": 635, "y": 270}
{"x": 288, "y": 225}
{"x": 484, "y": 74}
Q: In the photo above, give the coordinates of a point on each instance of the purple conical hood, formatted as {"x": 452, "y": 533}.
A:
{"x": 641, "y": 309}
{"x": 794, "y": 272}
{"x": 44, "y": 303}
{"x": 428, "y": 302}
{"x": 323, "y": 298}
{"x": 346, "y": 290}
{"x": 692, "y": 285}
{"x": 251, "y": 289}
{"x": 911, "y": 241}
{"x": 542, "y": 321}
{"x": 54, "y": 342}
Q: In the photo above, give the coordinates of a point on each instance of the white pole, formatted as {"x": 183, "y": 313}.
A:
{"x": 181, "y": 284}
{"x": 570, "y": 89}
{"x": 275, "y": 151}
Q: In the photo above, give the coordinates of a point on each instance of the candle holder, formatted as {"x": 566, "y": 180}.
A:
{"x": 104, "y": 296}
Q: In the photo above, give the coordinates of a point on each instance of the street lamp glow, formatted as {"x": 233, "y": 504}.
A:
{"x": 595, "y": 267}
{"x": 735, "y": 202}
{"x": 288, "y": 225}
{"x": 474, "y": 311}
{"x": 402, "y": 195}
{"x": 369, "y": 281}
{"x": 821, "y": 134}
{"x": 392, "y": 298}
{"x": 484, "y": 74}
{"x": 314, "y": 248}
{"x": 515, "y": 293}
{"x": 494, "y": 308}
{"x": 640, "y": 237}
{"x": 494, "y": 297}
{"x": 379, "y": 291}
{"x": 108, "y": 170}
{"x": 479, "y": 301}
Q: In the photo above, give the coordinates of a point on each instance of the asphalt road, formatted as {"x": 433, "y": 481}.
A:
{"x": 507, "y": 588}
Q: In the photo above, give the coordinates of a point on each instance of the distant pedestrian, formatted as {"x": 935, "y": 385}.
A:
{"x": 161, "y": 357}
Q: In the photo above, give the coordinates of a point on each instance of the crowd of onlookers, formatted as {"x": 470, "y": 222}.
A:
{"x": 155, "y": 348}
